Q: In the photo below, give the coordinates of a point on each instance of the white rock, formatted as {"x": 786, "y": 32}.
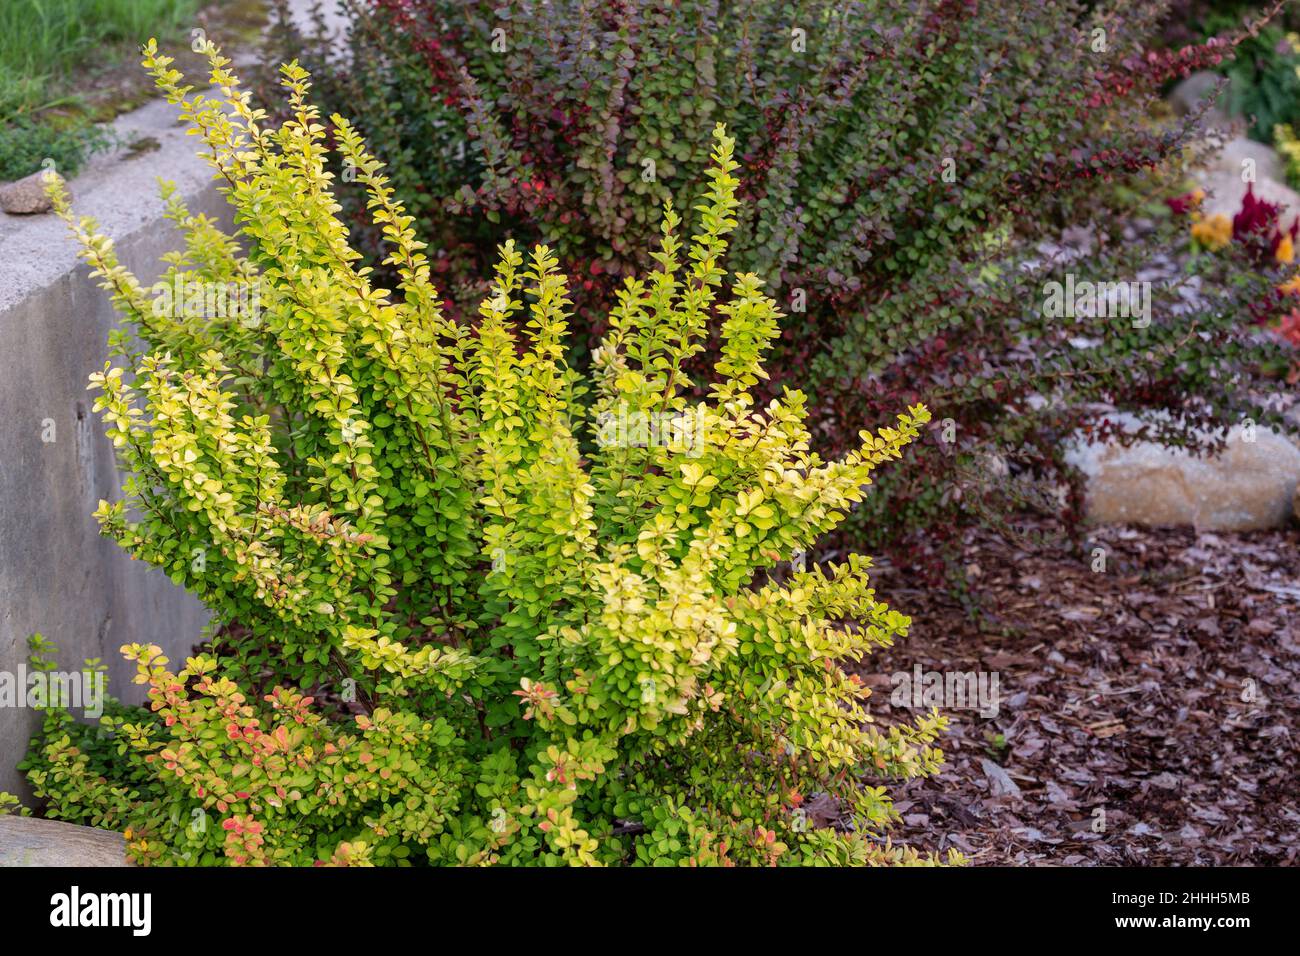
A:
{"x": 1250, "y": 485}
{"x": 1224, "y": 186}
{"x": 1238, "y": 152}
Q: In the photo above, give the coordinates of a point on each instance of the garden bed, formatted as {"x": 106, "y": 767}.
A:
{"x": 478, "y": 627}
{"x": 1120, "y": 690}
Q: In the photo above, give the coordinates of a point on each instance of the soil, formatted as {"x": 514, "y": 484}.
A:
{"x": 1147, "y": 711}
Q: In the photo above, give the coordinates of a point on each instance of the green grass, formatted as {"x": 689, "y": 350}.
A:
{"x": 43, "y": 41}
{"x": 50, "y": 52}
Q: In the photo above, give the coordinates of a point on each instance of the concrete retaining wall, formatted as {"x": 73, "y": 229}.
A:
{"x": 57, "y": 575}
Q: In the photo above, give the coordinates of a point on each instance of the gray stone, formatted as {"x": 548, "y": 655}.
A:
{"x": 30, "y": 841}
{"x": 1000, "y": 782}
{"x": 1238, "y": 151}
{"x": 1199, "y": 86}
{"x": 26, "y": 196}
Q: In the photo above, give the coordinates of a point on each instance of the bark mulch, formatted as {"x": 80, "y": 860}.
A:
{"x": 1147, "y": 713}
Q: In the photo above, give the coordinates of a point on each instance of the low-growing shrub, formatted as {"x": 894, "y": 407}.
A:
{"x": 921, "y": 176}
{"x": 1263, "y": 88}
{"x": 1288, "y": 147}
{"x": 27, "y": 146}
{"x": 445, "y": 633}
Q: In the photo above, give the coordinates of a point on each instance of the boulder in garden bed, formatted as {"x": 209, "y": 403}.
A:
{"x": 1249, "y": 485}
{"x": 1225, "y": 186}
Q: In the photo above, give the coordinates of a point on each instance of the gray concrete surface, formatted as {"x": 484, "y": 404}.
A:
{"x": 27, "y": 841}
{"x": 57, "y": 575}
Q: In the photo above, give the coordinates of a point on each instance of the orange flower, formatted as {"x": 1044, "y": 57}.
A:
{"x": 1214, "y": 232}
{"x": 1188, "y": 202}
{"x": 1285, "y": 250}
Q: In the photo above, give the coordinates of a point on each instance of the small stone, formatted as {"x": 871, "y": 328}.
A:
{"x": 1166, "y": 781}
{"x": 1000, "y": 782}
{"x": 26, "y": 196}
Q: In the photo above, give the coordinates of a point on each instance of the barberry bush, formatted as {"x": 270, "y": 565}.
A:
{"x": 446, "y": 632}
{"x": 908, "y": 162}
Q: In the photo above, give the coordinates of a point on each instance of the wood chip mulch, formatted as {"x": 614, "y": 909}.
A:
{"x": 1147, "y": 713}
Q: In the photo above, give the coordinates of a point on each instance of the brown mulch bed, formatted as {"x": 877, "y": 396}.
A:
{"x": 1163, "y": 691}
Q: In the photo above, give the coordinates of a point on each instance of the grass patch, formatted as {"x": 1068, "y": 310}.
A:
{"x": 51, "y": 55}
{"x": 43, "y": 41}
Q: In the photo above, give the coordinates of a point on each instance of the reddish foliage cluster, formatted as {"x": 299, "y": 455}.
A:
{"x": 1153, "y": 68}
{"x": 1258, "y": 223}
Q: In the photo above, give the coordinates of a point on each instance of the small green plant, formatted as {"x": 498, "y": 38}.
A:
{"x": 995, "y": 744}
{"x": 9, "y": 805}
{"x": 26, "y": 146}
{"x": 463, "y": 617}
